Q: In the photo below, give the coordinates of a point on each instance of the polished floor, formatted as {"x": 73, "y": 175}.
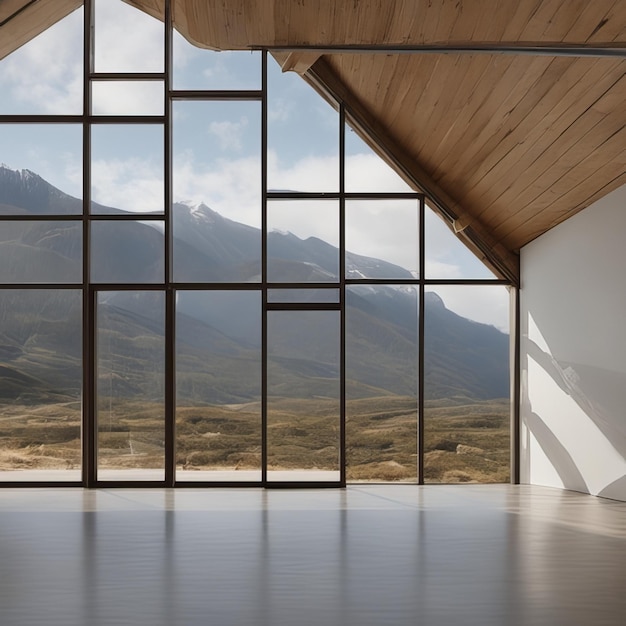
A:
{"x": 364, "y": 556}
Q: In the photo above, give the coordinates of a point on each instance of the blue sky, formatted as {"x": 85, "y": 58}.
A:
{"x": 216, "y": 145}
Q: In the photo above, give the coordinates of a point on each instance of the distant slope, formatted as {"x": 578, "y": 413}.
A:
{"x": 218, "y": 339}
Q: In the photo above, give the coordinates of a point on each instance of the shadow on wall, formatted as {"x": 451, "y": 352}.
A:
{"x": 575, "y": 414}
{"x": 573, "y": 351}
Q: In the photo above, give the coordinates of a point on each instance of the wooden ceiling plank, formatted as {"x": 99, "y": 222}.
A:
{"x": 612, "y": 27}
{"x": 501, "y": 222}
{"x": 470, "y": 15}
{"x": 529, "y": 231}
{"x": 504, "y": 147}
{"x": 583, "y": 136}
{"x": 450, "y": 119}
{"x": 496, "y": 116}
{"x": 553, "y": 194}
{"x": 589, "y": 19}
{"x": 449, "y": 15}
{"x": 567, "y": 14}
{"x": 523, "y": 14}
{"x": 11, "y": 7}
{"x": 545, "y": 14}
{"x": 571, "y": 203}
{"x": 587, "y": 201}
{"x": 452, "y": 155}
{"x": 544, "y": 124}
{"x": 451, "y": 67}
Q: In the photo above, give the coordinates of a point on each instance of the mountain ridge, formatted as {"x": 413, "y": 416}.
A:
{"x": 462, "y": 357}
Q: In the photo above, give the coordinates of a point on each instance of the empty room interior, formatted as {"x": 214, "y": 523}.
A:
{"x": 312, "y": 312}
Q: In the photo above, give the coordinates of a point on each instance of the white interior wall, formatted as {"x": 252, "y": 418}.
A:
{"x": 573, "y": 351}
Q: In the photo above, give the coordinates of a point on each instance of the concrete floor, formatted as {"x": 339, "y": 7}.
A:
{"x": 367, "y": 555}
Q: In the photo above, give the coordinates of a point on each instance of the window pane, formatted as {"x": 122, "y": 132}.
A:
{"x": 303, "y": 295}
{"x": 130, "y": 385}
{"x": 366, "y": 171}
{"x": 217, "y": 192}
{"x": 218, "y": 385}
{"x": 302, "y": 241}
{"x": 120, "y": 97}
{"x": 382, "y": 238}
{"x": 44, "y": 76}
{"x": 467, "y": 386}
{"x": 303, "y": 410}
{"x": 381, "y": 383}
{"x": 41, "y": 169}
{"x": 302, "y": 135}
{"x": 127, "y": 39}
{"x": 446, "y": 255}
{"x": 40, "y": 384}
{"x": 197, "y": 68}
{"x": 41, "y": 252}
{"x": 124, "y": 251}
{"x": 127, "y": 168}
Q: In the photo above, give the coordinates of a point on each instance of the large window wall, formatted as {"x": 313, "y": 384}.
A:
{"x": 208, "y": 277}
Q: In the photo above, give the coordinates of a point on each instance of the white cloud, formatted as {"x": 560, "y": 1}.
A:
{"x": 280, "y": 110}
{"x": 127, "y": 98}
{"x": 230, "y": 187}
{"x": 229, "y": 134}
{"x": 126, "y": 40}
{"x": 45, "y": 75}
{"x": 482, "y": 303}
{"x": 130, "y": 184}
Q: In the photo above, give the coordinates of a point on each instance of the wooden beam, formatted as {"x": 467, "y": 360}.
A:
{"x": 299, "y": 62}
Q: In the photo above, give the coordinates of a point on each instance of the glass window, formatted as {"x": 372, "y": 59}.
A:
{"x": 41, "y": 169}
{"x": 382, "y": 341}
{"x": 366, "y": 171}
{"x": 31, "y": 84}
{"x": 302, "y": 135}
{"x": 466, "y": 384}
{"x": 218, "y": 385}
{"x": 217, "y": 192}
{"x": 382, "y": 239}
{"x": 127, "y": 168}
{"x": 40, "y": 384}
{"x": 198, "y": 68}
{"x": 41, "y": 252}
{"x": 303, "y": 409}
{"x": 130, "y": 385}
{"x": 125, "y": 251}
{"x": 302, "y": 241}
{"x": 446, "y": 256}
{"x": 303, "y": 296}
{"x": 125, "y": 97}
{"x": 126, "y": 39}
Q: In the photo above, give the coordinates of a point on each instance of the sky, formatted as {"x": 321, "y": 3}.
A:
{"x": 216, "y": 147}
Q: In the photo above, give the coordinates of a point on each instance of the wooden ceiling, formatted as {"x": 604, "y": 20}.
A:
{"x": 510, "y": 115}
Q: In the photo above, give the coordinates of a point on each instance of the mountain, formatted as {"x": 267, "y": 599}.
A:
{"x": 218, "y": 332}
